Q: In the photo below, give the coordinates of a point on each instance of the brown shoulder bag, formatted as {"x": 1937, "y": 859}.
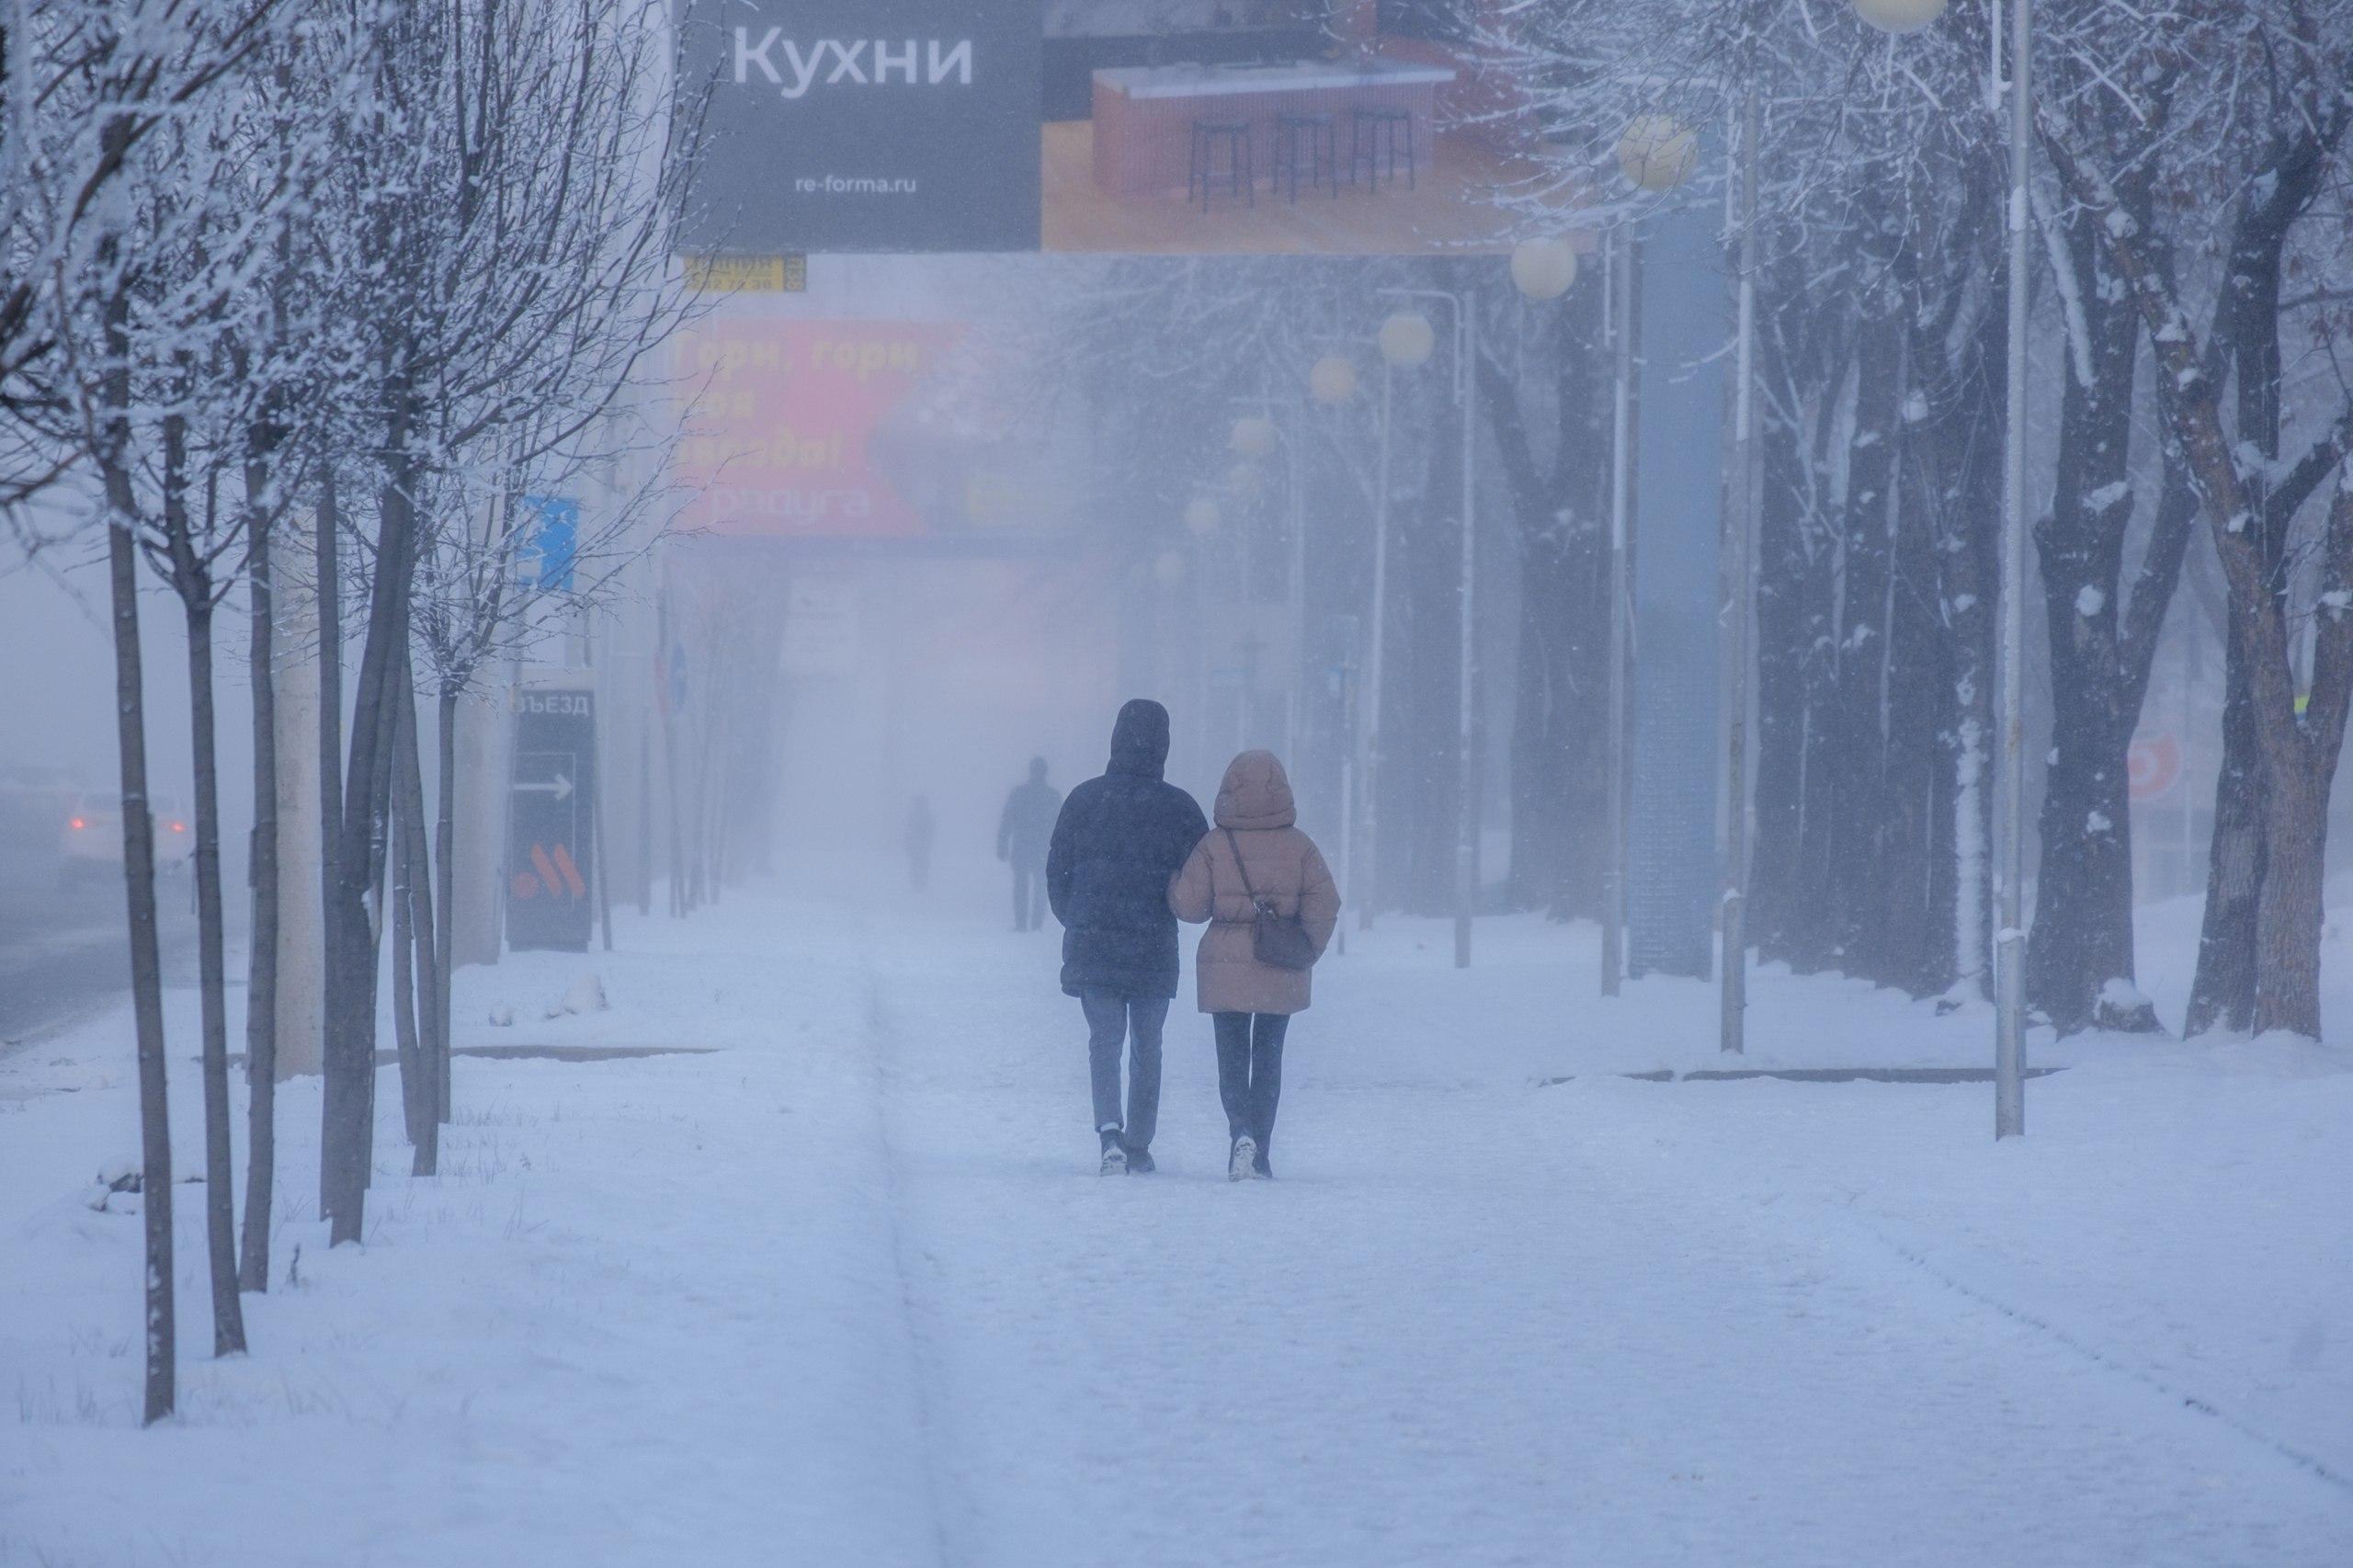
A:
{"x": 1277, "y": 941}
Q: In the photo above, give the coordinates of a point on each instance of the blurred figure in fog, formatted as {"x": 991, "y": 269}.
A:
{"x": 919, "y": 832}
{"x": 1255, "y": 867}
{"x": 1023, "y": 831}
{"x": 1115, "y": 843}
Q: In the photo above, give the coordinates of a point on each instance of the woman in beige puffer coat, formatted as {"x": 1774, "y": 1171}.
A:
{"x": 1254, "y": 847}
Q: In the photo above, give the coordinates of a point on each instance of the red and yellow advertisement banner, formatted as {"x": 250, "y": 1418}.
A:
{"x": 806, "y": 428}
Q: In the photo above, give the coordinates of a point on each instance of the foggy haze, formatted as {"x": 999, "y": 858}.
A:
{"x": 1203, "y": 783}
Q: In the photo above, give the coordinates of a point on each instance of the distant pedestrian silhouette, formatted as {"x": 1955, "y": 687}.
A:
{"x": 1023, "y": 833}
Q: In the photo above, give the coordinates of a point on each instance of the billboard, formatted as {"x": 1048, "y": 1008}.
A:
{"x": 1181, "y": 127}
{"x": 551, "y": 839}
{"x": 892, "y": 433}
{"x": 864, "y": 125}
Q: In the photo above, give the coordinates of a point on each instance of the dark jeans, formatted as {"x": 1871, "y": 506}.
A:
{"x": 1250, "y": 1070}
{"x": 1113, "y": 1020}
{"x": 1029, "y": 897}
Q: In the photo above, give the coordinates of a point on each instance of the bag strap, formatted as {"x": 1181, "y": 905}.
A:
{"x": 1236, "y": 845}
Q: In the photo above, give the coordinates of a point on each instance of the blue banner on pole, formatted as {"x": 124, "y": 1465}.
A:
{"x": 551, "y": 552}
{"x": 1672, "y": 870}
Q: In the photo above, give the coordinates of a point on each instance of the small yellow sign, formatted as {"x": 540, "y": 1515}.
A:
{"x": 748, "y": 274}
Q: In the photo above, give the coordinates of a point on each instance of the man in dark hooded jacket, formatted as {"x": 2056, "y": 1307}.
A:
{"x": 1119, "y": 840}
{"x": 1022, "y": 830}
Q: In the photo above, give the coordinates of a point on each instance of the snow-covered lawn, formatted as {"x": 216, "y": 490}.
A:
{"x": 846, "y": 1290}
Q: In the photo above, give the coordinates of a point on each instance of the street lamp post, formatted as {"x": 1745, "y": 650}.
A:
{"x": 1619, "y": 312}
{"x": 1741, "y": 591}
{"x": 2009, "y": 1005}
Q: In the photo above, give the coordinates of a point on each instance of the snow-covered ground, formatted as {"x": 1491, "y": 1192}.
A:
{"x": 845, "y": 1288}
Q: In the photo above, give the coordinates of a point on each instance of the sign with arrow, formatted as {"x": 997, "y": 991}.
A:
{"x": 549, "y": 821}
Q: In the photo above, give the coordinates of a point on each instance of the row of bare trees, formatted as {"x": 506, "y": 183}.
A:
{"x": 2191, "y": 188}
{"x": 2190, "y": 205}
{"x": 327, "y": 293}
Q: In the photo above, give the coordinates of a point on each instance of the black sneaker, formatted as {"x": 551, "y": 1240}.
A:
{"x": 1140, "y": 1161}
{"x": 1259, "y": 1169}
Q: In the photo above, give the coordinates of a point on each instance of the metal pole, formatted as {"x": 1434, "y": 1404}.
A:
{"x": 1348, "y": 845}
{"x": 1466, "y": 843}
{"x": 1375, "y": 651}
{"x": 1741, "y": 570}
{"x": 1297, "y": 698}
{"x": 2009, "y": 942}
{"x": 1613, "y": 879}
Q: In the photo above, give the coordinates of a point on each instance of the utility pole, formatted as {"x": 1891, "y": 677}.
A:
{"x": 2009, "y": 941}
{"x": 1740, "y": 592}
{"x": 1620, "y": 315}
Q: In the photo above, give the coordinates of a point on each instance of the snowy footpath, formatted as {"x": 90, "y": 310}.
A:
{"x": 836, "y": 1283}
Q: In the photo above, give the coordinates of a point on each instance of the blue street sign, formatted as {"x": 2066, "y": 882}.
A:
{"x": 554, "y": 542}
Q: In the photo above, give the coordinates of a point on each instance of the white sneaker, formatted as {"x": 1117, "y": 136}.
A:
{"x": 1115, "y": 1161}
{"x": 1246, "y": 1154}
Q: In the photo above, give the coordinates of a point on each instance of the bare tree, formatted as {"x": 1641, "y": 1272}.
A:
{"x": 2274, "y": 134}
{"x": 508, "y": 194}
{"x": 120, "y": 173}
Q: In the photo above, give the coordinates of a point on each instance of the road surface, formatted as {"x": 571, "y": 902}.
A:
{"x": 63, "y": 951}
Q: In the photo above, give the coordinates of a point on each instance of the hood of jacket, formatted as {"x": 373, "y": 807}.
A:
{"x": 1140, "y": 739}
{"x": 1257, "y": 793}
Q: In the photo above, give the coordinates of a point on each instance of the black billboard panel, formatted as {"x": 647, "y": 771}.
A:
{"x": 864, "y": 125}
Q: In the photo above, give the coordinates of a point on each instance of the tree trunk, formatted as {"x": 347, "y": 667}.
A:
{"x": 261, "y": 960}
{"x": 2238, "y": 860}
{"x": 2288, "y": 904}
{"x": 1782, "y": 578}
{"x": 336, "y": 1085}
{"x": 1858, "y": 750}
{"x": 147, "y": 961}
{"x": 138, "y": 832}
{"x": 1426, "y": 759}
{"x": 2082, "y": 937}
{"x": 355, "y": 906}
{"x": 1912, "y": 941}
{"x": 1966, "y": 398}
{"x": 2297, "y": 752}
{"x": 1558, "y": 768}
{"x": 219, "y": 1168}
{"x": 416, "y": 1106}
{"x": 408, "y": 792}
{"x": 445, "y": 910}
{"x": 1810, "y": 929}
